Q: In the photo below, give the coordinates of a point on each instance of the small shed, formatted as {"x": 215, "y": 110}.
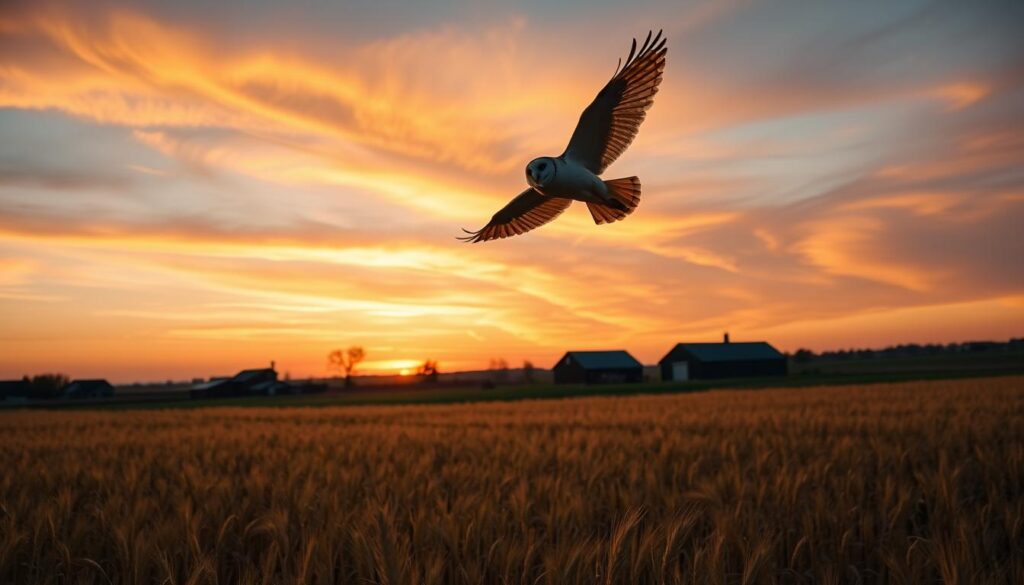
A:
{"x": 598, "y": 367}
{"x": 89, "y": 389}
{"x": 708, "y": 361}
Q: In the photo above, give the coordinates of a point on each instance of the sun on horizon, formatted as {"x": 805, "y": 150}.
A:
{"x": 188, "y": 193}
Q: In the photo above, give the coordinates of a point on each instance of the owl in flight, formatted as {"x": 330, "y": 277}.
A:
{"x": 606, "y": 128}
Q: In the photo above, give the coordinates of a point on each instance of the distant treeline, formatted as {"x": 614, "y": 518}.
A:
{"x": 43, "y": 386}
{"x": 911, "y": 350}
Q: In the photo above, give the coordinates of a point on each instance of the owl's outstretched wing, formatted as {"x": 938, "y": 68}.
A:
{"x": 611, "y": 121}
{"x": 528, "y": 210}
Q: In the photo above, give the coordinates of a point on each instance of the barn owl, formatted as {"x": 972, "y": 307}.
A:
{"x": 606, "y": 128}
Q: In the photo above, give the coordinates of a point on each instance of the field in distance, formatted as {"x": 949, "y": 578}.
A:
{"x": 909, "y": 482}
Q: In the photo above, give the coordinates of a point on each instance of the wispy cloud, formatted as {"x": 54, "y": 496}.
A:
{"x": 194, "y": 201}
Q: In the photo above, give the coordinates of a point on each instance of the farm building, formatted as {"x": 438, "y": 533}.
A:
{"x": 705, "y": 361}
{"x": 15, "y": 389}
{"x": 598, "y": 367}
{"x": 259, "y": 381}
{"x": 88, "y": 389}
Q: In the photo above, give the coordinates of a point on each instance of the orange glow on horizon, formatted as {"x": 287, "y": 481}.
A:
{"x": 176, "y": 202}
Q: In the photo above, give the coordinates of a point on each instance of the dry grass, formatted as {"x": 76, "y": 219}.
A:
{"x": 902, "y": 483}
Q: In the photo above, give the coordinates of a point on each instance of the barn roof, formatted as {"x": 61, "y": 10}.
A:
{"x": 93, "y": 384}
{"x": 730, "y": 352}
{"x": 244, "y": 378}
{"x": 618, "y": 358}
{"x": 252, "y": 376}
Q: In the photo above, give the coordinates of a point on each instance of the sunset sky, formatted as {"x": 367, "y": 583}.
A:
{"x": 191, "y": 188}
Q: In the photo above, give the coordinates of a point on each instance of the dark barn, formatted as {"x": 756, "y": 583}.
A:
{"x": 259, "y": 381}
{"x": 598, "y": 367}
{"x": 89, "y": 389}
{"x": 15, "y": 389}
{"x": 708, "y": 361}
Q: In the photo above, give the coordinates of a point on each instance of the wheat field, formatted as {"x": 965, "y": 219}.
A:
{"x": 902, "y": 483}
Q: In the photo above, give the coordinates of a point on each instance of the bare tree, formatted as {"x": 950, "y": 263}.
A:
{"x": 529, "y": 372}
{"x": 500, "y": 368}
{"x": 345, "y": 362}
{"x": 428, "y": 369}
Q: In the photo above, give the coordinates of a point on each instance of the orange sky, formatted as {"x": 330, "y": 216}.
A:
{"x": 186, "y": 191}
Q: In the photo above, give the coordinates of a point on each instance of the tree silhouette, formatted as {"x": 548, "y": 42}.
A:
{"x": 428, "y": 369}
{"x": 500, "y": 368}
{"x": 48, "y": 385}
{"x": 345, "y": 362}
{"x": 529, "y": 372}
{"x": 803, "y": 355}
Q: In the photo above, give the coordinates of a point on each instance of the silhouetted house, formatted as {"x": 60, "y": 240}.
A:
{"x": 260, "y": 381}
{"x": 88, "y": 389}
{"x": 597, "y": 367}
{"x": 15, "y": 389}
{"x": 705, "y": 361}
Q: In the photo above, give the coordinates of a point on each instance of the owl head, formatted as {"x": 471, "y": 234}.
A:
{"x": 540, "y": 172}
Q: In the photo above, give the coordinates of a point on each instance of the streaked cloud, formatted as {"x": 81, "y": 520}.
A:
{"x": 193, "y": 199}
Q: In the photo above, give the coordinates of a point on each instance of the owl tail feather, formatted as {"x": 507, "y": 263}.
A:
{"x": 626, "y": 196}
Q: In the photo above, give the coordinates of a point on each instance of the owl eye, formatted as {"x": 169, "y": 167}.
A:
{"x": 543, "y": 166}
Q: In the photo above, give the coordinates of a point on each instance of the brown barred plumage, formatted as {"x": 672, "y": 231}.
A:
{"x": 611, "y": 122}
